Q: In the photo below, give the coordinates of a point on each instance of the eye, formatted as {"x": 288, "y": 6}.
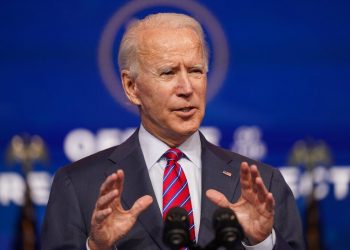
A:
{"x": 196, "y": 70}
{"x": 167, "y": 72}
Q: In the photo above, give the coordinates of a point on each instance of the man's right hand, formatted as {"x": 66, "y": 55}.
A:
{"x": 110, "y": 222}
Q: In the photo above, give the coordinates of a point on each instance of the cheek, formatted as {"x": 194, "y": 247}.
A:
{"x": 202, "y": 91}
{"x": 146, "y": 93}
{"x": 154, "y": 101}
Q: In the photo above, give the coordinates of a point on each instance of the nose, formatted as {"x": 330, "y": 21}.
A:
{"x": 184, "y": 88}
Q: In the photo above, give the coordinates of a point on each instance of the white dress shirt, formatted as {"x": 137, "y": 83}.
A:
{"x": 153, "y": 150}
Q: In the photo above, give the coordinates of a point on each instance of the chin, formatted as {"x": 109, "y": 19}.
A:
{"x": 187, "y": 130}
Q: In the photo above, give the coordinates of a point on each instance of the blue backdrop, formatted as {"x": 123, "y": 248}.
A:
{"x": 279, "y": 73}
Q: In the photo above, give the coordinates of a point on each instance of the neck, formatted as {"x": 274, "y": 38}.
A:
{"x": 173, "y": 141}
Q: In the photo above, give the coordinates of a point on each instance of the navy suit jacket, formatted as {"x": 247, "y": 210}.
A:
{"x": 75, "y": 190}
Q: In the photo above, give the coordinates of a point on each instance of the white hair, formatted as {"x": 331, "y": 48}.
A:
{"x": 127, "y": 56}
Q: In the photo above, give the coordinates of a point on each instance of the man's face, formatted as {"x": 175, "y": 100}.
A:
{"x": 170, "y": 87}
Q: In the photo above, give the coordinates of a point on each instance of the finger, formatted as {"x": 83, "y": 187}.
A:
{"x": 101, "y": 215}
{"x": 254, "y": 175}
{"x": 254, "y": 171}
{"x": 245, "y": 176}
{"x": 270, "y": 203}
{"x": 108, "y": 184}
{"x": 120, "y": 181}
{"x": 217, "y": 198}
{"x": 140, "y": 205}
{"x": 106, "y": 200}
{"x": 262, "y": 191}
{"x": 118, "y": 185}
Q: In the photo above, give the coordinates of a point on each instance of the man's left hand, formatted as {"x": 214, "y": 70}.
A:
{"x": 255, "y": 207}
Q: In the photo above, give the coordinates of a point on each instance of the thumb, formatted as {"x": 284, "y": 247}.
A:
{"x": 217, "y": 198}
{"x": 141, "y": 204}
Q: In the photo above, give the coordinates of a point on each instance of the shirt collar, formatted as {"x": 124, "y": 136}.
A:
{"x": 153, "y": 148}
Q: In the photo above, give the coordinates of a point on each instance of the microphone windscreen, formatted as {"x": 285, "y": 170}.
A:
{"x": 176, "y": 225}
{"x": 227, "y": 228}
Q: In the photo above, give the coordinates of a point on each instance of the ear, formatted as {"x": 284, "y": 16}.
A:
{"x": 130, "y": 88}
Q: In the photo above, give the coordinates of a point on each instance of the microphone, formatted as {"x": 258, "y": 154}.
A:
{"x": 228, "y": 231}
{"x": 176, "y": 225}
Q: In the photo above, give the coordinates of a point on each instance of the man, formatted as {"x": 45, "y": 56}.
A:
{"x": 117, "y": 197}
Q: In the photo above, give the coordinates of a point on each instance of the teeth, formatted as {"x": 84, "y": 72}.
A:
{"x": 185, "y": 109}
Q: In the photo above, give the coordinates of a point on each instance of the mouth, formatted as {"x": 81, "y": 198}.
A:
{"x": 187, "y": 109}
{"x": 185, "y": 112}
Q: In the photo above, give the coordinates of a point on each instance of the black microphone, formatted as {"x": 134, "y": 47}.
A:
{"x": 228, "y": 231}
{"x": 176, "y": 225}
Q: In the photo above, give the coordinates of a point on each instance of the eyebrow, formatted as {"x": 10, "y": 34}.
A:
{"x": 197, "y": 66}
{"x": 173, "y": 66}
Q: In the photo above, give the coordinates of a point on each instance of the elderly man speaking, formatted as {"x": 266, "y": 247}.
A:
{"x": 118, "y": 198}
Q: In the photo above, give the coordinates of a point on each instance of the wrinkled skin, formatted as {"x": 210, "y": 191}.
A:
{"x": 170, "y": 86}
{"x": 255, "y": 207}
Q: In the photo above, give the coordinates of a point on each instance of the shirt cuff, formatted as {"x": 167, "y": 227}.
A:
{"x": 87, "y": 245}
{"x": 88, "y": 248}
{"x": 266, "y": 244}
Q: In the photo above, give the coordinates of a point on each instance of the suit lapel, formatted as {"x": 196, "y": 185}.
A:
{"x": 137, "y": 183}
{"x": 216, "y": 168}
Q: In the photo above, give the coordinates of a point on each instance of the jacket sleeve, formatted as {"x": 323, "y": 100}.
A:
{"x": 63, "y": 226}
{"x": 287, "y": 225}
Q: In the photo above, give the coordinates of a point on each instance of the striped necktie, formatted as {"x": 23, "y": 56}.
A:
{"x": 175, "y": 188}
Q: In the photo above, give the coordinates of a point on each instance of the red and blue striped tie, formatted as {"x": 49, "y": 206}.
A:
{"x": 175, "y": 188}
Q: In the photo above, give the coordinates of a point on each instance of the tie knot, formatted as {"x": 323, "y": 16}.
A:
{"x": 173, "y": 154}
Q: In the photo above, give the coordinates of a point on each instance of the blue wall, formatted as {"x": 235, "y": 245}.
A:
{"x": 281, "y": 69}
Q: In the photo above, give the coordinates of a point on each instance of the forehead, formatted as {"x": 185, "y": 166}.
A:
{"x": 162, "y": 43}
